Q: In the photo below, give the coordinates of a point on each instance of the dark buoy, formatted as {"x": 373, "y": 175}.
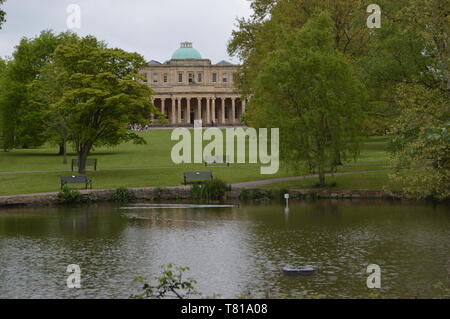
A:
{"x": 299, "y": 271}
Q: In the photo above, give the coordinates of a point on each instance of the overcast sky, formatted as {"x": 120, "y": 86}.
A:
{"x": 153, "y": 28}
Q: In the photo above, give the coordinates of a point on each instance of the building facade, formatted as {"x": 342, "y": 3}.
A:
{"x": 188, "y": 88}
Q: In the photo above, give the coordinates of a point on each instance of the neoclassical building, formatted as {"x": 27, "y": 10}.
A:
{"x": 188, "y": 88}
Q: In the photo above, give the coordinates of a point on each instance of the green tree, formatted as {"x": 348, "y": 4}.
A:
{"x": 309, "y": 90}
{"x": 412, "y": 55}
{"x": 24, "y": 121}
{"x": 2, "y": 83}
{"x": 2, "y": 14}
{"x": 97, "y": 94}
{"x": 259, "y": 35}
{"x": 374, "y": 53}
{"x": 421, "y": 142}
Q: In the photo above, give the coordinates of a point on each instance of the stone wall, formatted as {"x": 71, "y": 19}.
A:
{"x": 184, "y": 193}
{"x": 140, "y": 194}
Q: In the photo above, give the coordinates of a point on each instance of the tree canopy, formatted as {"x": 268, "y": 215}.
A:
{"x": 399, "y": 64}
{"x": 23, "y": 122}
{"x": 94, "y": 94}
{"x": 63, "y": 88}
{"x": 309, "y": 90}
{"x": 2, "y": 13}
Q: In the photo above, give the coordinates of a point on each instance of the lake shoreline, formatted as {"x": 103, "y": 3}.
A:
{"x": 153, "y": 194}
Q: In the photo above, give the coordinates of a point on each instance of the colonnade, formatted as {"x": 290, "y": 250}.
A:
{"x": 211, "y": 110}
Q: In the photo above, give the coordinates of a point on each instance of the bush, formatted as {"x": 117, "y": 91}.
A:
{"x": 171, "y": 284}
{"x": 69, "y": 196}
{"x": 214, "y": 189}
{"x": 122, "y": 195}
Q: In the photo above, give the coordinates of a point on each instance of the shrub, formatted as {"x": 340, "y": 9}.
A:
{"x": 69, "y": 196}
{"x": 214, "y": 189}
{"x": 245, "y": 194}
{"x": 171, "y": 284}
{"x": 122, "y": 195}
{"x": 89, "y": 198}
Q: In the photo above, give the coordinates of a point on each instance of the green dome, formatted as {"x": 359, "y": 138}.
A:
{"x": 186, "y": 51}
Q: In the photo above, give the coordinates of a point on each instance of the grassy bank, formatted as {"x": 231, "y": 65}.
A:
{"x": 150, "y": 165}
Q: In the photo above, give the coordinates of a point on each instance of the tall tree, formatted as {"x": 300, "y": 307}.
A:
{"x": 24, "y": 122}
{"x": 258, "y": 35}
{"x": 2, "y": 84}
{"x": 421, "y": 142}
{"x": 2, "y": 14}
{"x": 414, "y": 55}
{"x": 97, "y": 94}
{"x": 309, "y": 90}
{"x": 255, "y": 37}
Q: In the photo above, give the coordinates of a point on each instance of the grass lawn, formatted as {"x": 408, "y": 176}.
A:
{"x": 378, "y": 180}
{"x": 132, "y": 165}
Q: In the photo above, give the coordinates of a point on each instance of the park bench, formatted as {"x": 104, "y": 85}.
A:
{"x": 217, "y": 160}
{"x": 89, "y": 162}
{"x": 81, "y": 179}
{"x": 197, "y": 177}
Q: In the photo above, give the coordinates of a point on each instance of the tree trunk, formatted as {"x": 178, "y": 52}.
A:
{"x": 65, "y": 151}
{"x": 322, "y": 178}
{"x": 83, "y": 154}
{"x": 61, "y": 149}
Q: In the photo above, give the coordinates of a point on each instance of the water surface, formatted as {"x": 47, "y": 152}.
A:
{"x": 232, "y": 251}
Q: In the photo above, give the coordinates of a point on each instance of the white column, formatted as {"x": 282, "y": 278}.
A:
{"x": 243, "y": 106}
{"x": 188, "y": 111}
{"x": 174, "y": 118}
{"x": 213, "y": 110}
{"x": 223, "y": 110}
{"x": 199, "y": 108}
{"x": 179, "y": 110}
{"x": 208, "y": 111}
{"x": 233, "y": 110}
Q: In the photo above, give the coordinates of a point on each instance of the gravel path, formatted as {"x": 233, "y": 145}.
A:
{"x": 294, "y": 178}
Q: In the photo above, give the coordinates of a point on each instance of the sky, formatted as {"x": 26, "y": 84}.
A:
{"x": 153, "y": 28}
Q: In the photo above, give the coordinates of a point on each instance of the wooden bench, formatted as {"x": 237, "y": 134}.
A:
{"x": 89, "y": 162}
{"x": 197, "y": 176}
{"x": 80, "y": 179}
{"x": 217, "y": 160}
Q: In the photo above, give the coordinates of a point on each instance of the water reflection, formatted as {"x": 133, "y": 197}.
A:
{"x": 230, "y": 250}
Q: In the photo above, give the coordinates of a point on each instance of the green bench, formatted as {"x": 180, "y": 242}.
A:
{"x": 89, "y": 162}
{"x": 80, "y": 179}
{"x": 191, "y": 177}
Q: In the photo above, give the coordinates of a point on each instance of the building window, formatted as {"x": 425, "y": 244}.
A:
{"x": 155, "y": 77}
{"x": 225, "y": 77}
{"x": 165, "y": 77}
{"x": 180, "y": 77}
{"x": 200, "y": 77}
{"x": 191, "y": 78}
{"x": 145, "y": 77}
{"x": 214, "y": 77}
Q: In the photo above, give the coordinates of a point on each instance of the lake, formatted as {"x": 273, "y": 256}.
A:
{"x": 231, "y": 251}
